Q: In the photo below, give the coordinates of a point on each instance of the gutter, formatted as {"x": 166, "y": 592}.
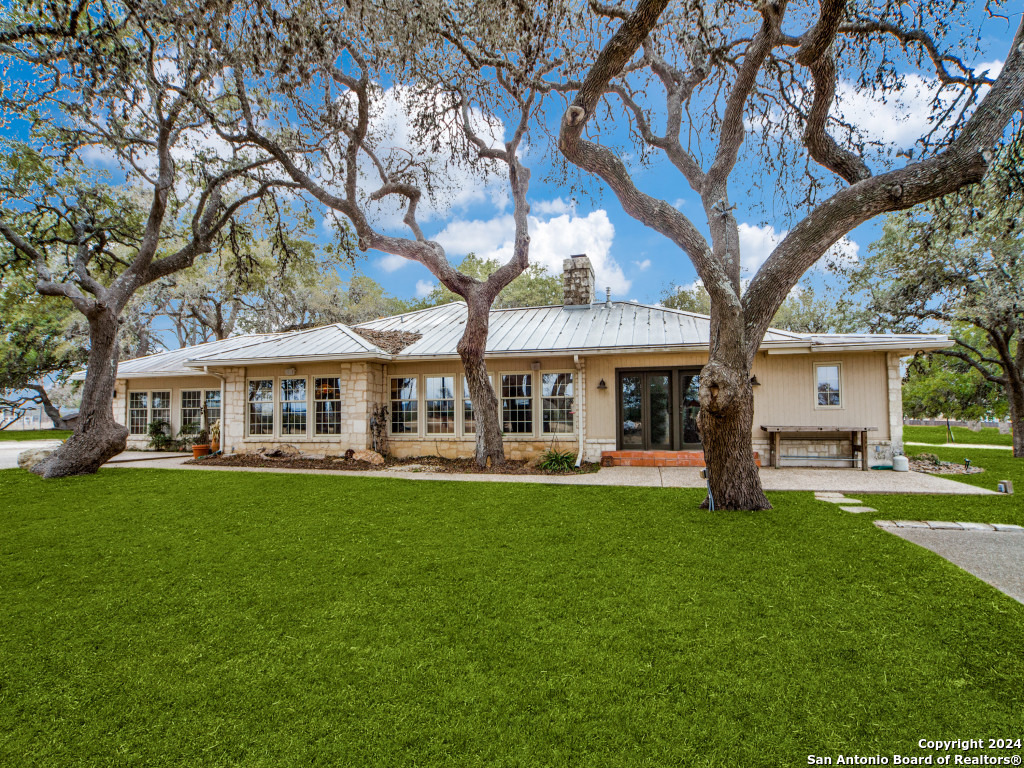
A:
{"x": 223, "y": 406}
{"x": 579, "y": 407}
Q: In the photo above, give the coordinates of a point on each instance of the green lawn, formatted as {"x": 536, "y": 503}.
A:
{"x": 938, "y": 436}
{"x": 35, "y": 434}
{"x": 166, "y": 618}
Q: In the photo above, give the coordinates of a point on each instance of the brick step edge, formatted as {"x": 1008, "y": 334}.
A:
{"x": 657, "y": 459}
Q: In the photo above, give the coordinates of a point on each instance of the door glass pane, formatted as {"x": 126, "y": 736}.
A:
{"x": 632, "y": 412}
{"x": 659, "y": 390}
{"x": 691, "y": 405}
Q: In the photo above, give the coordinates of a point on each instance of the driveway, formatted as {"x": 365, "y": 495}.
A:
{"x": 9, "y": 450}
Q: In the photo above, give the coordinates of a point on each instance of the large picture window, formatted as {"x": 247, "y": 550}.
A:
{"x": 517, "y": 403}
{"x": 468, "y": 414}
{"x": 557, "y": 403}
{"x": 828, "y": 390}
{"x": 404, "y": 406}
{"x": 261, "y": 407}
{"x": 440, "y": 404}
{"x": 293, "y": 406}
{"x": 212, "y": 405}
{"x": 327, "y": 405}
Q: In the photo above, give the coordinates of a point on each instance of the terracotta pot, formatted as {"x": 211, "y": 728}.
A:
{"x": 200, "y": 450}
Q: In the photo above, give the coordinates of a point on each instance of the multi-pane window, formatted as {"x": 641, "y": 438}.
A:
{"x": 212, "y": 405}
{"x": 404, "y": 406}
{"x": 440, "y": 404}
{"x": 191, "y": 410}
{"x": 828, "y": 387}
{"x": 557, "y": 400}
{"x": 327, "y": 405}
{"x": 261, "y": 407}
{"x": 160, "y": 406}
{"x": 517, "y": 403}
{"x": 293, "y": 406}
{"x": 138, "y": 412}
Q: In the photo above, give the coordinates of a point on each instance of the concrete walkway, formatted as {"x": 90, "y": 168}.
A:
{"x": 964, "y": 445}
{"x": 9, "y": 450}
{"x": 786, "y": 479}
{"x": 994, "y": 556}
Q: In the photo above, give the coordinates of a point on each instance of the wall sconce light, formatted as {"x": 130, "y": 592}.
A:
{"x": 602, "y": 385}
{"x": 754, "y": 382}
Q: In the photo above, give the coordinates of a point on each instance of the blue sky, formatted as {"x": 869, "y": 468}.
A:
{"x": 635, "y": 261}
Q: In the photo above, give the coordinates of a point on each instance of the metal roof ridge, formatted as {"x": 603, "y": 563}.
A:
{"x": 434, "y": 308}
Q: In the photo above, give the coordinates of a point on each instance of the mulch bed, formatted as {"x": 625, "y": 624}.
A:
{"x": 933, "y": 465}
{"x": 433, "y": 464}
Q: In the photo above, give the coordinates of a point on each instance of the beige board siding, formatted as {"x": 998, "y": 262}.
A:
{"x": 173, "y": 384}
{"x": 601, "y": 403}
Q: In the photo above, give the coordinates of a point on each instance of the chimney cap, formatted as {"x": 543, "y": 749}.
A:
{"x": 578, "y": 256}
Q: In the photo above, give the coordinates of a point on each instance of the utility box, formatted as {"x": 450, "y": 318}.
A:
{"x": 1005, "y": 486}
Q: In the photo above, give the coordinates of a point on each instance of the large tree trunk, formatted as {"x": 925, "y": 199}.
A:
{"x": 97, "y": 437}
{"x": 490, "y": 450}
{"x": 1015, "y": 396}
{"x": 726, "y": 419}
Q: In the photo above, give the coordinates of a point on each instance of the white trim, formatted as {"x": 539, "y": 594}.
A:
{"x": 540, "y": 404}
{"x": 842, "y": 386}
{"x": 533, "y": 404}
{"x": 419, "y": 409}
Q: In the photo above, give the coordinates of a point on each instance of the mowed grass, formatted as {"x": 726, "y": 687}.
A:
{"x": 21, "y": 435}
{"x": 169, "y": 618}
{"x": 998, "y": 465}
{"x": 938, "y": 436}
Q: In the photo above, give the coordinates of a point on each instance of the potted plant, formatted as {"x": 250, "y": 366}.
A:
{"x": 215, "y": 437}
{"x": 201, "y": 447}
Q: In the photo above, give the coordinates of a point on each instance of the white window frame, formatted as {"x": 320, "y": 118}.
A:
{"x": 182, "y": 409}
{"x": 419, "y": 406}
{"x": 279, "y": 402}
{"x": 533, "y": 404}
{"x": 340, "y": 400}
{"x": 454, "y": 399}
{"x": 149, "y": 409}
{"x": 842, "y": 386}
{"x": 572, "y": 410}
{"x": 273, "y": 408}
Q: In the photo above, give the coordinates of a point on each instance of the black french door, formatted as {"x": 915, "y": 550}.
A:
{"x": 657, "y": 409}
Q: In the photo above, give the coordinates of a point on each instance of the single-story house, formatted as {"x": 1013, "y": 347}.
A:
{"x": 606, "y": 378}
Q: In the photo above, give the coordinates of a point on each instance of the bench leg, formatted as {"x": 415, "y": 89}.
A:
{"x": 776, "y": 444}
{"x": 864, "y": 464}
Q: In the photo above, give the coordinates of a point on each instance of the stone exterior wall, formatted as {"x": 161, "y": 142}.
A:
{"x": 824, "y": 452}
{"x": 577, "y": 281}
{"x": 895, "y": 390}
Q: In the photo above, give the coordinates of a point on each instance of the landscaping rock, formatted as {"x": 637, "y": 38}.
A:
{"x": 28, "y": 459}
{"x": 369, "y": 456}
{"x": 286, "y": 451}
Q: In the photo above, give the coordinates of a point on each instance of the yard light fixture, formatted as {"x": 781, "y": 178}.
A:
{"x": 754, "y": 382}
{"x": 602, "y": 385}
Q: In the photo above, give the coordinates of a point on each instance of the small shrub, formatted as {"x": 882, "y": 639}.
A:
{"x": 159, "y": 432}
{"x": 929, "y": 457}
{"x": 557, "y": 461}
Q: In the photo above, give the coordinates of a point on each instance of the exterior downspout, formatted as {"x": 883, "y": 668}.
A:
{"x": 580, "y": 406}
{"x": 223, "y": 407}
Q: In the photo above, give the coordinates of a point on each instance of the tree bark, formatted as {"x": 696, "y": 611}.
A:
{"x": 97, "y": 437}
{"x": 52, "y": 411}
{"x": 1015, "y": 396}
{"x": 726, "y": 418}
{"x": 490, "y": 449}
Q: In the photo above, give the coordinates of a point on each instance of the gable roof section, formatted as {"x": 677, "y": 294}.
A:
{"x": 623, "y": 326}
{"x": 620, "y": 327}
{"x": 324, "y": 343}
{"x": 172, "y": 362}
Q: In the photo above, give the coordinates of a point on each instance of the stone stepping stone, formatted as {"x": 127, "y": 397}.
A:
{"x": 858, "y": 510}
{"x": 941, "y": 525}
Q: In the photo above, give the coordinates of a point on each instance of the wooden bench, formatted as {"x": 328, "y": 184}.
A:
{"x": 858, "y": 447}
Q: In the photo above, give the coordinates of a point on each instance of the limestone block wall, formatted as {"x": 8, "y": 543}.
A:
{"x": 895, "y": 389}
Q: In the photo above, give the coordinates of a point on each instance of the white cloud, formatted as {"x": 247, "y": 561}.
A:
{"x": 391, "y": 262}
{"x": 756, "y": 245}
{"x": 552, "y": 207}
{"x": 679, "y": 203}
{"x": 843, "y": 255}
{"x": 423, "y": 288}
{"x": 644, "y": 265}
{"x": 551, "y": 241}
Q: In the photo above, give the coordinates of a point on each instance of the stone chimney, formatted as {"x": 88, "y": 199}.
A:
{"x": 577, "y": 281}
